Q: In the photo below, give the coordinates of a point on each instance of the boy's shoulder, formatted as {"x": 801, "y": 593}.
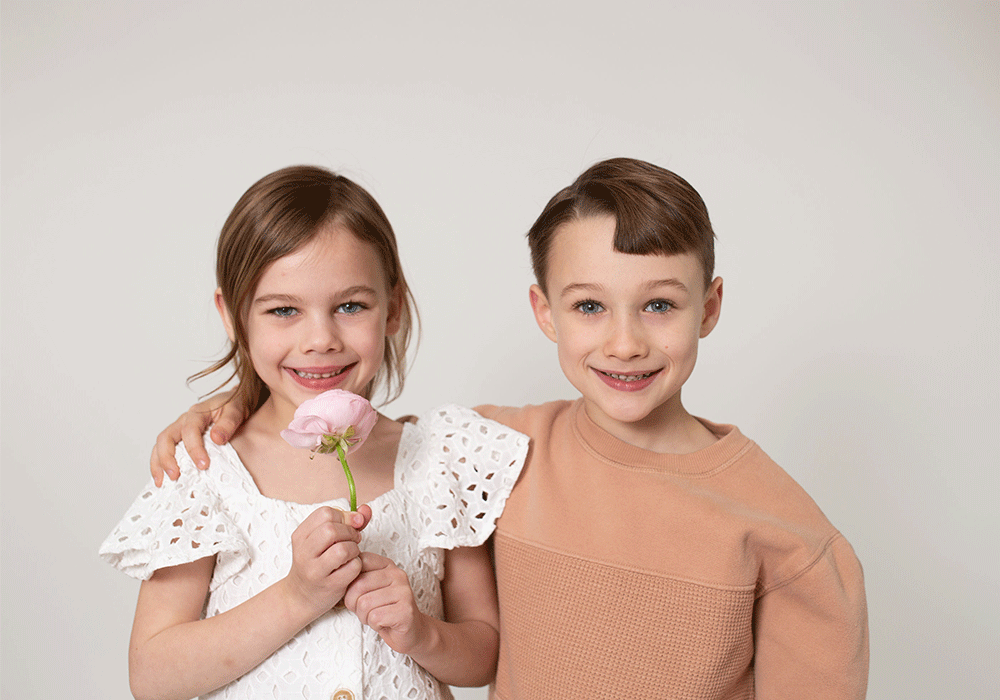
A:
{"x": 777, "y": 501}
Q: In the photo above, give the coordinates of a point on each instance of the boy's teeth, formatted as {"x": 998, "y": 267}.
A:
{"x": 629, "y": 377}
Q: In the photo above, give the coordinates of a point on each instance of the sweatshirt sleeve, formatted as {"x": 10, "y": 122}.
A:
{"x": 811, "y": 631}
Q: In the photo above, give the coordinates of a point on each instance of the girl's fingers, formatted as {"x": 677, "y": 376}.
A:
{"x": 336, "y": 556}
{"x": 372, "y": 606}
{"x": 323, "y": 528}
{"x": 375, "y": 575}
{"x": 365, "y": 511}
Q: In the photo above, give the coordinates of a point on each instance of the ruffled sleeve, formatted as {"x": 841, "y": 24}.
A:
{"x": 459, "y": 470}
{"x": 177, "y": 523}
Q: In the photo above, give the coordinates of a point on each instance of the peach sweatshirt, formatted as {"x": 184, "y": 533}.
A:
{"x": 624, "y": 573}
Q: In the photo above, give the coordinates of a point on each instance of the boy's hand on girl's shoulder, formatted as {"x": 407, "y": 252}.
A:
{"x": 189, "y": 427}
{"x": 382, "y": 599}
{"x": 325, "y": 558}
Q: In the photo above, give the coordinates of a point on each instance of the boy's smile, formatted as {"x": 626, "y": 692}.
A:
{"x": 627, "y": 328}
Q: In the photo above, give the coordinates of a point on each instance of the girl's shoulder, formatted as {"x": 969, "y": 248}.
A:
{"x": 468, "y": 428}
{"x": 458, "y": 468}
{"x": 177, "y": 522}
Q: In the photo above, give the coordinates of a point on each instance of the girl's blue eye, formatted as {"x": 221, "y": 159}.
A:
{"x": 284, "y": 311}
{"x": 588, "y": 307}
{"x": 659, "y": 306}
{"x": 350, "y": 307}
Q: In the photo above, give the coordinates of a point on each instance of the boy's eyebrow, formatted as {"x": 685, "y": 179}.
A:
{"x": 592, "y": 287}
{"x": 669, "y": 282}
{"x": 580, "y": 287}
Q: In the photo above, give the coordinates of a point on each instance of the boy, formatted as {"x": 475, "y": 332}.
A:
{"x": 720, "y": 578}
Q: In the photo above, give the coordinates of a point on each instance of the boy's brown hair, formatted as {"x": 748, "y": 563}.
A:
{"x": 276, "y": 216}
{"x": 656, "y": 212}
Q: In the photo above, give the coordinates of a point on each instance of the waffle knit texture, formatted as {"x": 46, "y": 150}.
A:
{"x": 624, "y": 573}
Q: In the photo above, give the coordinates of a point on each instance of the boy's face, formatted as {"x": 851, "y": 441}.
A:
{"x": 627, "y": 326}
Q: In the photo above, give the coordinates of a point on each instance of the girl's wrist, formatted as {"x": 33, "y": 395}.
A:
{"x": 297, "y": 607}
{"x": 428, "y": 637}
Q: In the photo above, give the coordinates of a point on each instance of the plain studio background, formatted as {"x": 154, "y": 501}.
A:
{"x": 848, "y": 153}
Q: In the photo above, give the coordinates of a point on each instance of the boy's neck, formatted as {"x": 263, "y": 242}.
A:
{"x": 669, "y": 429}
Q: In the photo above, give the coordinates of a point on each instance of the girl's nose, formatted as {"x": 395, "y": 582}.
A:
{"x": 625, "y": 340}
{"x": 321, "y": 335}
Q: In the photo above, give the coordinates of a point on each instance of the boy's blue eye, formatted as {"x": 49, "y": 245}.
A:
{"x": 659, "y": 306}
{"x": 588, "y": 307}
{"x": 283, "y": 311}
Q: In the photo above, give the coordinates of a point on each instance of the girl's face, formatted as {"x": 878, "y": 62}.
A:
{"x": 319, "y": 318}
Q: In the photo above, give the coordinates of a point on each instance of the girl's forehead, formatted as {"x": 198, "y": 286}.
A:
{"x": 333, "y": 258}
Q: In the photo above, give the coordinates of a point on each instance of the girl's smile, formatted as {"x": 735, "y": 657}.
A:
{"x": 320, "y": 379}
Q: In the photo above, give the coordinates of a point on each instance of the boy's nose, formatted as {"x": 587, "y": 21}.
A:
{"x": 626, "y": 340}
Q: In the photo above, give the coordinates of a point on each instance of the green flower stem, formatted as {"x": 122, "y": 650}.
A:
{"x": 350, "y": 478}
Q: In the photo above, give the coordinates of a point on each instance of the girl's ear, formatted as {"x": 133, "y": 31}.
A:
{"x": 227, "y": 321}
{"x": 543, "y": 312}
{"x": 395, "y": 316}
{"x": 712, "y": 307}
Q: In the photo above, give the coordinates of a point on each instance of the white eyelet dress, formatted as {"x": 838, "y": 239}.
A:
{"x": 454, "y": 470}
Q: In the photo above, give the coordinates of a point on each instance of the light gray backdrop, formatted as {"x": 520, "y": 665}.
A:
{"x": 848, "y": 153}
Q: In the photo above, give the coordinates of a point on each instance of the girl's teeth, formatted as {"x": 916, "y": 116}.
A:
{"x": 630, "y": 377}
{"x": 310, "y": 375}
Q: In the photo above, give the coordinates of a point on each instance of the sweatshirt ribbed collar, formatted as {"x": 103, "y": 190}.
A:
{"x": 730, "y": 446}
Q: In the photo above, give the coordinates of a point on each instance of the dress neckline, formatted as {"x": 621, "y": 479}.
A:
{"x": 234, "y": 458}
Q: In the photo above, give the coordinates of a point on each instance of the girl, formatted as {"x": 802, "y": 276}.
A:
{"x": 312, "y": 297}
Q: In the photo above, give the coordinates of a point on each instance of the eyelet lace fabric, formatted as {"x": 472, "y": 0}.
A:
{"x": 454, "y": 471}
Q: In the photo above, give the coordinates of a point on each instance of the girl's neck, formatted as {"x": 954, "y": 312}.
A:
{"x": 286, "y": 473}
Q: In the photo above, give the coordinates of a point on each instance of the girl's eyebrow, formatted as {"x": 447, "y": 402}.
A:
{"x": 272, "y": 298}
{"x": 356, "y": 290}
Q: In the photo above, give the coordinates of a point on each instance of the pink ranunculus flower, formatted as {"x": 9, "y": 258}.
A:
{"x": 335, "y": 421}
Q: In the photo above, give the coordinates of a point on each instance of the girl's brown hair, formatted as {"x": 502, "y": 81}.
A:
{"x": 278, "y": 214}
{"x": 656, "y": 212}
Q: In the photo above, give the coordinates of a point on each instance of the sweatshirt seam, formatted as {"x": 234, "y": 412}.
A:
{"x": 662, "y": 470}
{"x": 739, "y": 588}
{"x": 806, "y": 568}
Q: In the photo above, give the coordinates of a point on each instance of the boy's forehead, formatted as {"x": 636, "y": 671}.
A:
{"x": 583, "y": 250}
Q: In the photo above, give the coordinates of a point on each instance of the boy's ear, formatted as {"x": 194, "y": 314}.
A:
{"x": 712, "y": 307}
{"x": 543, "y": 311}
{"x": 395, "y": 316}
{"x": 227, "y": 321}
